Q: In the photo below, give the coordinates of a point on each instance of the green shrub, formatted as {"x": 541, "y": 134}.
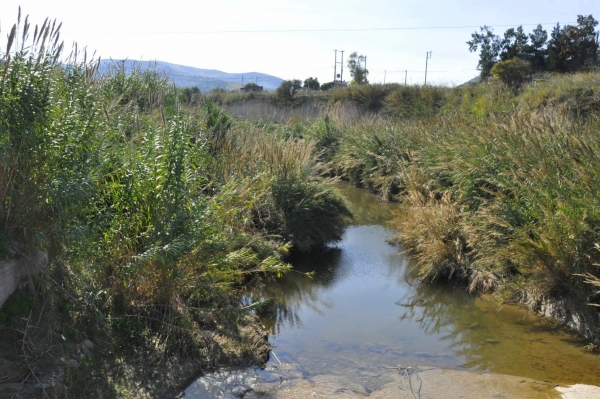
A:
{"x": 512, "y": 72}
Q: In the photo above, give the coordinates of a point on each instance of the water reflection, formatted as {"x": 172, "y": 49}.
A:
{"x": 295, "y": 290}
{"x": 362, "y": 310}
{"x": 501, "y": 339}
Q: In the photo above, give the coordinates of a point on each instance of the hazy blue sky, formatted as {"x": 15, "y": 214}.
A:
{"x": 198, "y": 33}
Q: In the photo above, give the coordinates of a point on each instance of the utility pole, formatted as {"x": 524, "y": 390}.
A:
{"x": 384, "y": 74}
{"x": 405, "y": 76}
{"x": 342, "y": 71}
{"x": 335, "y": 68}
{"x": 242, "y": 80}
{"x": 427, "y": 62}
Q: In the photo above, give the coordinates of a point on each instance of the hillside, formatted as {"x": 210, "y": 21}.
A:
{"x": 205, "y": 79}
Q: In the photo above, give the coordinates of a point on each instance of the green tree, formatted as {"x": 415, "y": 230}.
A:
{"x": 573, "y": 47}
{"x": 512, "y": 72}
{"x": 252, "y": 87}
{"x": 327, "y": 86}
{"x": 190, "y": 94}
{"x": 312, "y": 83}
{"x": 536, "y": 51}
{"x": 514, "y": 44}
{"x": 357, "y": 67}
{"x": 556, "y": 59}
{"x": 288, "y": 88}
{"x": 489, "y": 46}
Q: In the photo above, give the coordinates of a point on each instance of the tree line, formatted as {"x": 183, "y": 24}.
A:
{"x": 568, "y": 48}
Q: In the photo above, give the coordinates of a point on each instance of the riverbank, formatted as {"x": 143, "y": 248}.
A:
{"x": 334, "y": 334}
{"x": 404, "y": 383}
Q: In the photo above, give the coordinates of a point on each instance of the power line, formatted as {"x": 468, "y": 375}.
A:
{"x": 318, "y": 30}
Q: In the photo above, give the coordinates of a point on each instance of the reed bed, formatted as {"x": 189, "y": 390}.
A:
{"x": 505, "y": 200}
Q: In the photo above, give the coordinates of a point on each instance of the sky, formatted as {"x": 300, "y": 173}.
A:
{"x": 295, "y": 39}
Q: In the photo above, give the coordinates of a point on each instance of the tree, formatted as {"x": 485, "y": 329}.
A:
{"x": 357, "y": 67}
{"x": 327, "y": 86}
{"x": 189, "y": 94}
{"x": 573, "y": 47}
{"x": 489, "y": 45}
{"x": 288, "y": 88}
{"x": 512, "y": 72}
{"x": 312, "y": 83}
{"x": 514, "y": 44}
{"x": 536, "y": 52}
{"x": 556, "y": 59}
{"x": 252, "y": 87}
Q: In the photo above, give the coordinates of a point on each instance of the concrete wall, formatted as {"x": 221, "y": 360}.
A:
{"x": 13, "y": 271}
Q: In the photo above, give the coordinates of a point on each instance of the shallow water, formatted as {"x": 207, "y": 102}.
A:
{"x": 362, "y": 311}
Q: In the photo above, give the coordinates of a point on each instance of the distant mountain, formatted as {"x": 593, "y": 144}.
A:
{"x": 186, "y": 76}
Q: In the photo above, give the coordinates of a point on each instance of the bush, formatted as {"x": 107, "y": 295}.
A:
{"x": 327, "y": 86}
{"x": 512, "y": 72}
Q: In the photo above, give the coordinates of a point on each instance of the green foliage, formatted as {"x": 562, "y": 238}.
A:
{"x": 327, "y": 86}
{"x": 573, "y": 47}
{"x": 489, "y": 46}
{"x": 312, "y": 83}
{"x": 358, "y": 70}
{"x": 151, "y": 208}
{"x": 569, "y": 49}
{"x": 217, "y": 121}
{"x": 191, "y": 94}
{"x": 285, "y": 92}
{"x": 512, "y": 73}
{"x": 415, "y": 101}
{"x": 252, "y": 87}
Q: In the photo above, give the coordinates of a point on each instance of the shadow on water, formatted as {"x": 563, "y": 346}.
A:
{"x": 295, "y": 290}
{"x": 362, "y": 310}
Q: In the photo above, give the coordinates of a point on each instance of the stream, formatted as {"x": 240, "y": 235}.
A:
{"x": 363, "y": 311}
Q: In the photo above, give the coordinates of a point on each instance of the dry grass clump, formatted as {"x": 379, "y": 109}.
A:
{"x": 430, "y": 227}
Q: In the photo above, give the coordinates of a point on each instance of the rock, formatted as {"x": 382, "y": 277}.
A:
{"x": 72, "y": 363}
{"x": 240, "y": 390}
{"x": 155, "y": 374}
{"x": 86, "y": 353}
{"x": 89, "y": 345}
